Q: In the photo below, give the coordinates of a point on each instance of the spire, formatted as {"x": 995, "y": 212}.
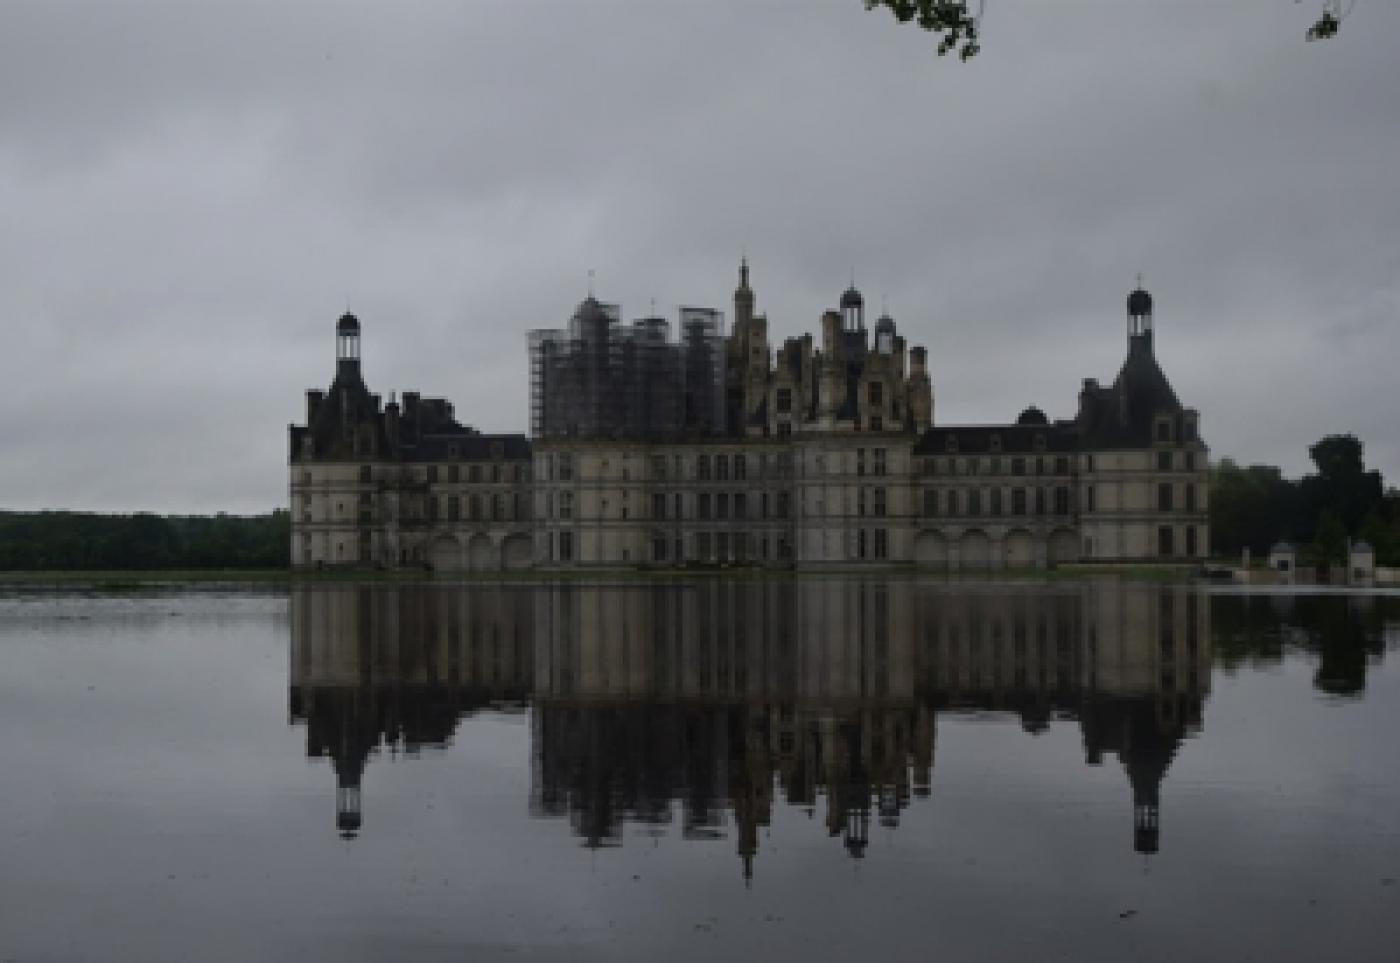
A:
{"x": 743, "y": 272}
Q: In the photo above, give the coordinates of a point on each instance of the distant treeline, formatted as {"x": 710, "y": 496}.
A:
{"x": 54, "y": 541}
{"x": 1255, "y": 506}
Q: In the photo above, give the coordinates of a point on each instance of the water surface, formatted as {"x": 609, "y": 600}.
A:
{"x": 811, "y": 769}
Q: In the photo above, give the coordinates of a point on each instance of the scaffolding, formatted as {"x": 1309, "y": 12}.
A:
{"x": 599, "y": 378}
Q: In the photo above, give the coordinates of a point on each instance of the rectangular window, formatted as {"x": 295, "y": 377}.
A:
{"x": 1061, "y": 500}
{"x": 1164, "y": 497}
{"x": 996, "y": 501}
{"x": 1062, "y": 465}
{"x": 1164, "y": 430}
{"x": 566, "y": 546}
{"x": 781, "y": 508}
{"x": 740, "y": 506}
{"x": 474, "y": 473}
{"x": 1191, "y": 541}
{"x": 658, "y": 472}
{"x": 882, "y": 543}
{"x": 879, "y": 501}
{"x": 722, "y": 505}
{"x": 658, "y": 505}
{"x": 860, "y": 544}
{"x": 722, "y": 468}
{"x": 741, "y": 467}
{"x": 702, "y": 467}
{"x": 658, "y": 548}
{"x": 1089, "y": 497}
{"x": 566, "y": 505}
{"x": 1164, "y": 461}
{"x": 1040, "y": 501}
{"x": 1165, "y": 548}
{"x": 931, "y": 502}
{"x": 763, "y": 505}
{"x": 702, "y": 506}
{"x": 879, "y": 456}
{"x": 860, "y": 461}
{"x": 432, "y": 474}
{"x": 876, "y": 393}
{"x": 702, "y": 546}
{"x": 1018, "y": 466}
{"x": 1018, "y": 501}
{"x": 974, "y": 501}
{"x": 454, "y": 508}
{"x": 722, "y": 546}
{"x": 784, "y": 401}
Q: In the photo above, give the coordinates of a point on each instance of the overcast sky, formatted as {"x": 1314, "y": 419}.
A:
{"x": 191, "y": 194}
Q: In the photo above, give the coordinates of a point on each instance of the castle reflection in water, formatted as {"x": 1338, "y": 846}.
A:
{"x": 700, "y": 702}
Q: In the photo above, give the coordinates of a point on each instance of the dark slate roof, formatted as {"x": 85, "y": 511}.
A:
{"x": 1121, "y": 416}
{"x": 470, "y": 445}
{"x": 347, "y": 403}
{"x": 1015, "y": 439}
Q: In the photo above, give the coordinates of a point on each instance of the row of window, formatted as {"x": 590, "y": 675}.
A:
{"x": 977, "y": 501}
{"x": 705, "y": 506}
{"x": 995, "y": 465}
{"x": 722, "y": 466}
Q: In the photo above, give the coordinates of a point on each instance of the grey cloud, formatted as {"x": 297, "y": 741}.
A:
{"x": 193, "y": 192}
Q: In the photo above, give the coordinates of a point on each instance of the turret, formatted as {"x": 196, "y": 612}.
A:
{"x": 347, "y": 347}
{"x": 1139, "y": 319}
{"x": 920, "y": 389}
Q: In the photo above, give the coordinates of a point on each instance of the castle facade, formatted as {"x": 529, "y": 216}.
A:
{"x": 716, "y": 449}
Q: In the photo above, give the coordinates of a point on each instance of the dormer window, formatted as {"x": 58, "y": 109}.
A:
{"x": 951, "y": 445}
{"x": 996, "y": 443}
{"x": 1164, "y": 430}
{"x": 1039, "y": 442}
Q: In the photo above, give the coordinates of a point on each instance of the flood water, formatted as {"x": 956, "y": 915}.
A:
{"x": 818, "y": 769}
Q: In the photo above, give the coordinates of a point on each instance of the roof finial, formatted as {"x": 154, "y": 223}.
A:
{"x": 885, "y": 304}
{"x": 590, "y": 282}
{"x": 1139, "y": 279}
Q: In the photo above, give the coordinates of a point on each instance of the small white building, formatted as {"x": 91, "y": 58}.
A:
{"x": 1361, "y": 564}
{"x": 1283, "y": 559}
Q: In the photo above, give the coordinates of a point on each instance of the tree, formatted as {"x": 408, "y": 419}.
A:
{"x": 1342, "y": 484}
{"x": 1330, "y": 541}
{"x": 956, "y": 23}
